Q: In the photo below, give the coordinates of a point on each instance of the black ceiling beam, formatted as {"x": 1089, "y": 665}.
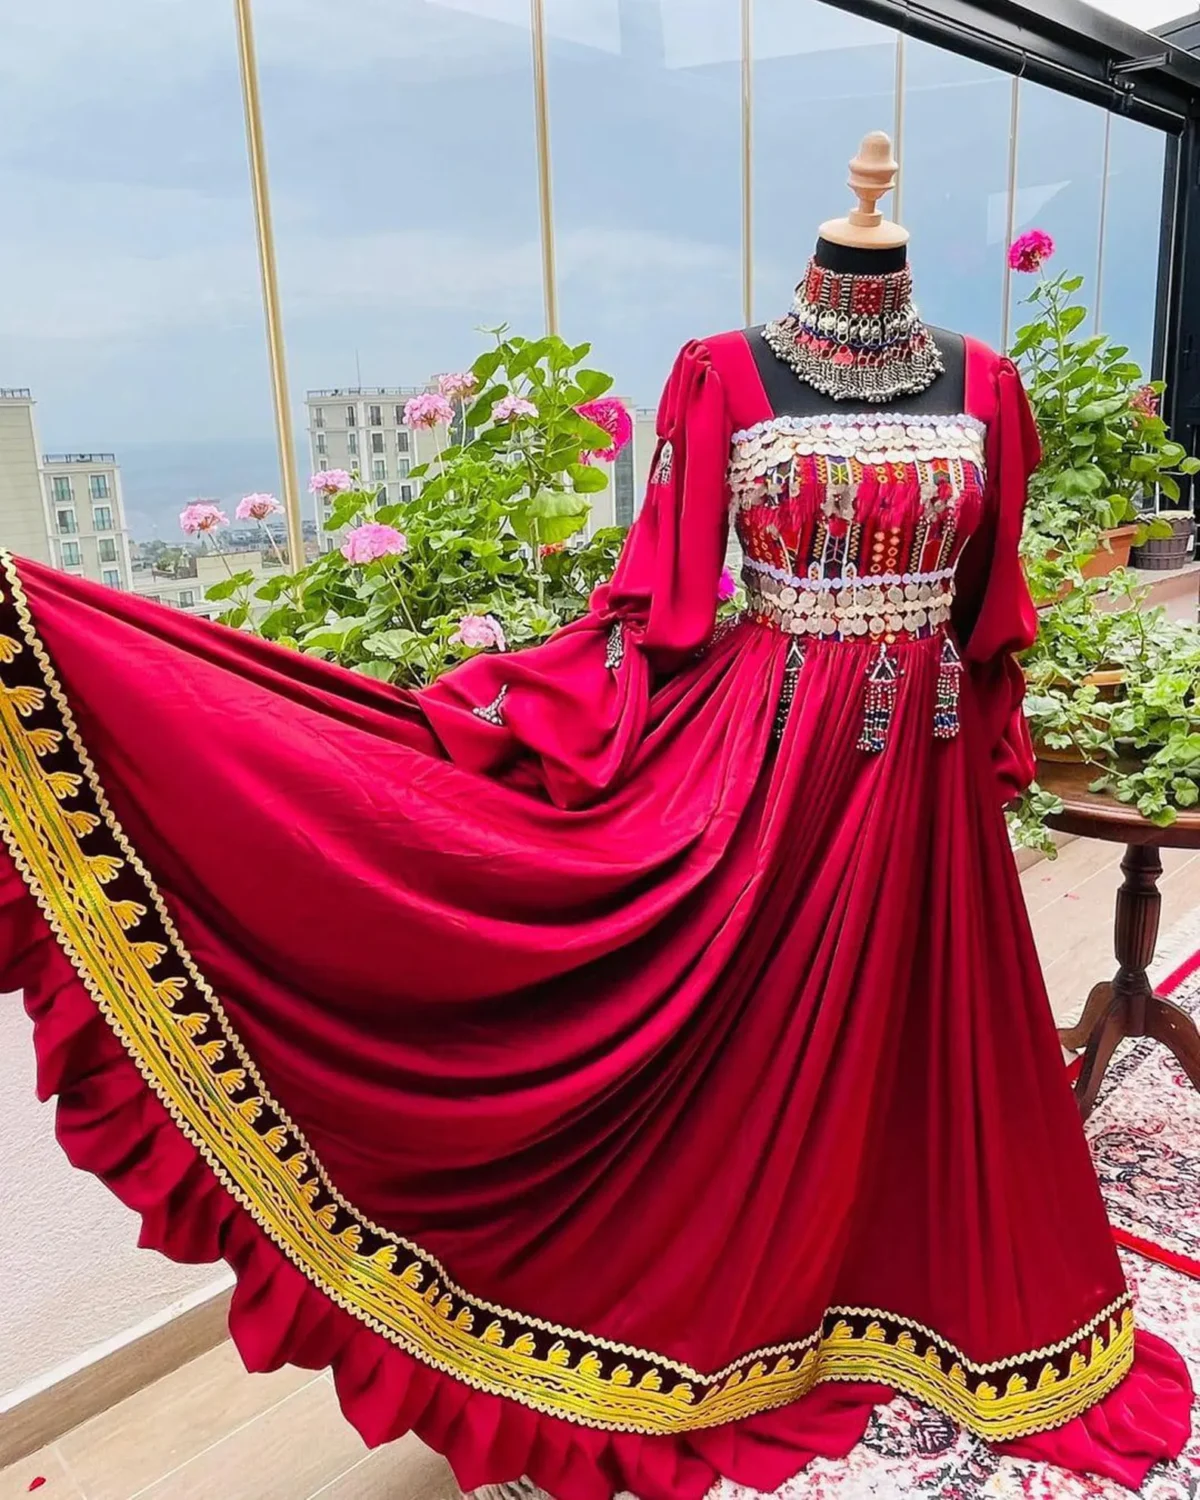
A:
{"x": 1064, "y": 44}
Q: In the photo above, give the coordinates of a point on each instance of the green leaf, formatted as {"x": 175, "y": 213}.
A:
{"x": 227, "y": 587}
{"x": 1097, "y": 411}
{"x": 592, "y": 383}
{"x": 382, "y": 671}
{"x": 1081, "y": 375}
{"x": 486, "y": 366}
{"x": 587, "y": 479}
{"x": 395, "y": 645}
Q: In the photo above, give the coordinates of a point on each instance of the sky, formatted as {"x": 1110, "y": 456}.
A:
{"x": 400, "y": 140}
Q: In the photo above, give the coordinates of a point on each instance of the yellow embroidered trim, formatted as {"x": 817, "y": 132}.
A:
{"x": 112, "y": 922}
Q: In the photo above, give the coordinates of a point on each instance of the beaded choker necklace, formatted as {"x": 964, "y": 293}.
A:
{"x": 856, "y": 337}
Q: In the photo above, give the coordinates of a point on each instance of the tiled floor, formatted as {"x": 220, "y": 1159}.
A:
{"x": 211, "y": 1432}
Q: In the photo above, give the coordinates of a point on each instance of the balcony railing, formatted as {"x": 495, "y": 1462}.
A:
{"x": 365, "y": 390}
{"x": 79, "y": 458}
{"x": 15, "y": 393}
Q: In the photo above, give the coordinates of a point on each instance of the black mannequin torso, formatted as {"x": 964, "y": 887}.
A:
{"x": 789, "y": 396}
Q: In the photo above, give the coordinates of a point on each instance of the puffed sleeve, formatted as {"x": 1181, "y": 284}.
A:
{"x": 577, "y": 704}
{"x": 994, "y": 613}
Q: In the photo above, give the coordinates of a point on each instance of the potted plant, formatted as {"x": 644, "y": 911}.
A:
{"x": 1105, "y": 448}
{"x": 489, "y": 554}
{"x": 1115, "y": 686}
{"x": 1161, "y": 554}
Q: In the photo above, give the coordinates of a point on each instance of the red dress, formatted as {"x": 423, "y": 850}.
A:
{"x": 627, "y": 1061}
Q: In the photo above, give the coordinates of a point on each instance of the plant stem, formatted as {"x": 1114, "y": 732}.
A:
{"x": 431, "y": 670}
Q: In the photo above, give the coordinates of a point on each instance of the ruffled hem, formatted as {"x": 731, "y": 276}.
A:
{"x": 111, "y": 1124}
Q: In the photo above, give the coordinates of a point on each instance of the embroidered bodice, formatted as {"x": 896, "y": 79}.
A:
{"x": 850, "y": 526}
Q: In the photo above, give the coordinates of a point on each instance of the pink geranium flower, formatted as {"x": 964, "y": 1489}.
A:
{"x": 482, "y": 632}
{"x": 373, "y": 540}
{"x": 612, "y": 415}
{"x": 508, "y": 408}
{"x": 1029, "y": 250}
{"x": 726, "y": 585}
{"x": 429, "y": 410}
{"x": 457, "y": 385}
{"x": 202, "y": 516}
{"x": 331, "y": 482}
{"x": 1145, "y": 400}
{"x": 257, "y": 507}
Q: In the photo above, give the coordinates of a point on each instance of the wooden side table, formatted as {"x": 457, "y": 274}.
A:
{"x": 1125, "y": 1005}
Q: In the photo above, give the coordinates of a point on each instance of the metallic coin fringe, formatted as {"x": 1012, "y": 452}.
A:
{"x": 879, "y": 702}
{"x": 949, "y": 679}
{"x": 493, "y": 712}
{"x": 796, "y": 653}
{"x": 101, "y": 904}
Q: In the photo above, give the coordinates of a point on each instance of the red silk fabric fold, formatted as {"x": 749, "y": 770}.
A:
{"x": 641, "y": 1024}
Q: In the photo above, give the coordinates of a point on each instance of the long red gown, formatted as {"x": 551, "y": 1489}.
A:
{"x": 620, "y": 1077}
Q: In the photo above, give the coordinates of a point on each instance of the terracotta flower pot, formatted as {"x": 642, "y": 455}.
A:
{"x": 1113, "y": 553}
{"x": 1108, "y": 682}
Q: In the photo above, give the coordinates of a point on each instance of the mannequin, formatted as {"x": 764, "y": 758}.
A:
{"x": 864, "y": 244}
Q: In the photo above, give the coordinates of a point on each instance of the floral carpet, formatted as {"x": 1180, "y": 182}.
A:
{"x": 1145, "y": 1138}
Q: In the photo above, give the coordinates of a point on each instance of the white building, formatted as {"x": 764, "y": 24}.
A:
{"x": 362, "y": 430}
{"x": 186, "y": 590}
{"x": 24, "y": 518}
{"x": 87, "y": 516}
{"x": 65, "y": 509}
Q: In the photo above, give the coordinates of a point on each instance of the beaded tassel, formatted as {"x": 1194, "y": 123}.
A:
{"x": 879, "y": 702}
{"x": 493, "y": 712}
{"x": 945, "y": 711}
{"x": 614, "y": 650}
{"x": 787, "y": 690}
{"x": 666, "y": 459}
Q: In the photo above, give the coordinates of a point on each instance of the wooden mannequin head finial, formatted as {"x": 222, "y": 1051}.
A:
{"x": 872, "y": 174}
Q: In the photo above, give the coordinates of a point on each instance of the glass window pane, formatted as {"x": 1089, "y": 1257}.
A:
{"x": 954, "y": 187}
{"x": 822, "y": 79}
{"x": 645, "y": 131}
{"x": 1060, "y": 172}
{"x": 141, "y": 334}
{"x": 1132, "y": 225}
{"x": 400, "y": 142}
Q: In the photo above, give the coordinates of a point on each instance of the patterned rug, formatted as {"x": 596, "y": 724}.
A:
{"x": 1145, "y": 1139}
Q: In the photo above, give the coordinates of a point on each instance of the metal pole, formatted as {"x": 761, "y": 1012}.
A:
{"x": 747, "y": 162}
{"x": 270, "y": 286}
{"x": 898, "y": 132}
{"x": 1014, "y": 130}
{"x": 1103, "y": 230}
{"x": 541, "y": 117}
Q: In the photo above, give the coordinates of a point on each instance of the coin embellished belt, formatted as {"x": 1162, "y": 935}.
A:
{"x": 874, "y": 606}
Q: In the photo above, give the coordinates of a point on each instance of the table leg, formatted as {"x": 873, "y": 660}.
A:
{"x": 1075, "y": 1037}
{"x": 1135, "y": 930}
{"x": 1177, "y": 1031}
{"x": 1100, "y": 1048}
{"x": 1125, "y": 1005}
